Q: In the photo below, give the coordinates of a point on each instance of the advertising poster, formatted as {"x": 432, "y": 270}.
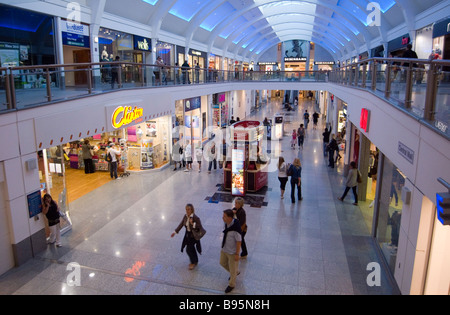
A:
{"x": 237, "y": 172}
{"x": 147, "y": 154}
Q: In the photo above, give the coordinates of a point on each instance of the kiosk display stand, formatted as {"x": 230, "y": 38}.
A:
{"x": 246, "y": 172}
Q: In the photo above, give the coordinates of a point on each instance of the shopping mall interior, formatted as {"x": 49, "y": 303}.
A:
{"x": 91, "y": 86}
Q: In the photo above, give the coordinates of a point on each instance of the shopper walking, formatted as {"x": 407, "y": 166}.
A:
{"x": 231, "y": 247}
{"x": 115, "y": 73}
{"x": 51, "y": 211}
{"x": 315, "y": 119}
{"x": 301, "y": 136}
{"x": 199, "y": 157}
{"x": 332, "y": 146}
{"x": 194, "y": 231}
{"x": 176, "y": 155}
{"x": 282, "y": 175}
{"x": 351, "y": 183}
{"x": 188, "y": 156}
{"x": 89, "y": 167}
{"x": 294, "y": 139}
{"x": 295, "y": 171}
{"x": 113, "y": 163}
{"x": 306, "y": 119}
{"x": 326, "y": 140}
{"x": 240, "y": 214}
{"x": 212, "y": 157}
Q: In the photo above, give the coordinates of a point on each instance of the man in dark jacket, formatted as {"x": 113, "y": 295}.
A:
{"x": 326, "y": 140}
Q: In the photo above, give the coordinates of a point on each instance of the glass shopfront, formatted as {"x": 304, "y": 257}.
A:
{"x": 389, "y": 210}
{"x": 26, "y": 38}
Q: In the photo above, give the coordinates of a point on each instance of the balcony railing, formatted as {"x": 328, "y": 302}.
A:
{"x": 419, "y": 87}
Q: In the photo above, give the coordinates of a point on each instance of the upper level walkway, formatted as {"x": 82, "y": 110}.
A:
{"x": 418, "y": 87}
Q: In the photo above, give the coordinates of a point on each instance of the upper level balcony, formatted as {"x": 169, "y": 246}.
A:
{"x": 420, "y": 88}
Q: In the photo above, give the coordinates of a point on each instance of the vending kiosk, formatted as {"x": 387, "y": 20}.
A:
{"x": 278, "y": 128}
{"x": 248, "y": 170}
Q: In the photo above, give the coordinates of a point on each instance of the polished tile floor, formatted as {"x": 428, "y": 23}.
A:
{"x": 121, "y": 236}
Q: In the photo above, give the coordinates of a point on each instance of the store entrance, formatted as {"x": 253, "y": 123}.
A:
{"x": 81, "y": 75}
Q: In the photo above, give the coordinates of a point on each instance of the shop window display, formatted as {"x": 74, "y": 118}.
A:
{"x": 390, "y": 211}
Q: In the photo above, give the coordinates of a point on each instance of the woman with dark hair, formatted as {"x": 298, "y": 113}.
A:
{"x": 50, "y": 210}
{"x": 194, "y": 231}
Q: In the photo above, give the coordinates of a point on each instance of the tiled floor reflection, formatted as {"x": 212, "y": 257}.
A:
{"x": 121, "y": 236}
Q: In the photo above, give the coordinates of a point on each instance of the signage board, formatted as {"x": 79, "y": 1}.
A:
{"x": 406, "y": 152}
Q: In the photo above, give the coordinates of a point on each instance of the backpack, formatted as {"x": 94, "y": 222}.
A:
{"x": 108, "y": 157}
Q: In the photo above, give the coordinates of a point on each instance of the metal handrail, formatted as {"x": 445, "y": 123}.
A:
{"x": 362, "y": 74}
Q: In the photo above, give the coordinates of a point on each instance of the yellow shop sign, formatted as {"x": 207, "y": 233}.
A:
{"x": 125, "y": 115}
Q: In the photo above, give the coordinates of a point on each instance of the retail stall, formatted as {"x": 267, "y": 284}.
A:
{"x": 248, "y": 169}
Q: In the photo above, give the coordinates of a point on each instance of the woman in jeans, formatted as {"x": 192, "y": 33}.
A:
{"x": 282, "y": 175}
{"x": 191, "y": 222}
{"x": 295, "y": 171}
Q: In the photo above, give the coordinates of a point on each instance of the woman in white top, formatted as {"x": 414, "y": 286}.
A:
{"x": 188, "y": 156}
{"x": 282, "y": 175}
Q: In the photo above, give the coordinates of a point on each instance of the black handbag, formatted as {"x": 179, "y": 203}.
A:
{"x": 198, "y": 233}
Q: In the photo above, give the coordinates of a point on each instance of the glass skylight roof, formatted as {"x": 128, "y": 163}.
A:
{"x": 186, "y": 9}
{"x": 233, "y": 27}
{"x": 217, "y": 16}
{"x": 152, "y": 2}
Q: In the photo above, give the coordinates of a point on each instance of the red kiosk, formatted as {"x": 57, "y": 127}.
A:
{"x": 246, "y": 172}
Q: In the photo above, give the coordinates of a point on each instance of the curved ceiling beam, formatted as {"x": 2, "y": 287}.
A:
{"x": 318, "y": 28}
{"x": 336, "y": 55}
{"x": 354, "y": 40}
{"x": 303, "y": 32}
{"x": 157, "y": 17}
{"x": 333, "y": 51}
{"x": 338, "y": 10}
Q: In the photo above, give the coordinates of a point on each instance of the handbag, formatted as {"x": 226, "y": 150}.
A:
{"x": 358, "y": 177}
{"x": 198, "y": 233}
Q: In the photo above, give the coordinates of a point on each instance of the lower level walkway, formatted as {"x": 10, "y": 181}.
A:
{"x": 121, "y": 236}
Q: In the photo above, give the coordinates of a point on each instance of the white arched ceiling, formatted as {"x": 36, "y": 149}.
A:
{"x": 282, "y": 8}
{"x": 250, "y": 26}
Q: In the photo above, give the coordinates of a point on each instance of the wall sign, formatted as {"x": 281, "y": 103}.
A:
{"x": 34, "y": 203}
{"x": 125, "y": 115}
{"x": 75, "y": 34}
{"x": 142, "y": 43}
{"x": 406, "y": 152}
{"x": 364, "y": 120}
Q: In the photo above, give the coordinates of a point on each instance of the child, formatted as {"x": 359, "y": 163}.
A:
{"x": 294, "y": 139}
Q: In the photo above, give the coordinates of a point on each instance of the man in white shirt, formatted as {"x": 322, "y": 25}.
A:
{"x": 113, "y": 164}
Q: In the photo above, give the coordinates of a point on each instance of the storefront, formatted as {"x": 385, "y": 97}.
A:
{"x": 191, "y": 119}
{"x": 441, "y": 40}
{"x": 267, "y": 66}
{"x": 220, "y": 110}
{"x": 324, "y": 65}
{"x": 129, "y": 48}
{"x": 144, "y": 145}
{"x": 27, "y": 39}
{"x": 76, "y": 49}
{"x": 397, "y": 47}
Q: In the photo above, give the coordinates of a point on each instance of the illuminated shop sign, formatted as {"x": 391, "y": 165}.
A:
{"x": 295, "y": 59}
{"x": 125, "y": 115}
{"x": 238, "y": 176}
{"x": 324, "y": 63}
{"x": 142, "y": 43}
{"x": 364, "y": 120}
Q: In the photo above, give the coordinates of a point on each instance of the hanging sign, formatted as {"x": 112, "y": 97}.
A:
{"x": 364, "y": 120}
